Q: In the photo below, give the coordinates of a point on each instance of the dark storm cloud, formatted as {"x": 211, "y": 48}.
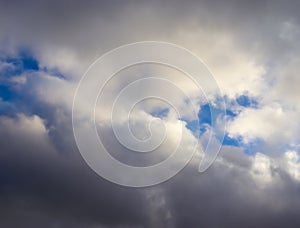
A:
{"x": 89, "y": 29}
{"x": 228, "y": 197}
{"x": 42, "y": 187}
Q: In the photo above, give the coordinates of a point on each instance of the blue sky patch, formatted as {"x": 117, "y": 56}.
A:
{"x": 30, "y": 63}
{"x": 252, "y": 147}
{"x": 23, "y": 62}
{"x": 204, "y": 114}
{"x": 160, "y": 113}
{"x": 5, "y": 93}
{"x": 53, "y": 72}
{"x": 231, "y": 141}
{"x": 246, "y": 101}
{"x": 205, "y": 122}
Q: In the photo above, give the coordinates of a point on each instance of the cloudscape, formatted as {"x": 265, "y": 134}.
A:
{"x": 251, "y": 50}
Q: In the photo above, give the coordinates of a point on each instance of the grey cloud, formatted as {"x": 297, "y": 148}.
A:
{"x": 45, "y": 187}
{"x": 228, "y": 197}
{"x": 41, "y": 186}
{"x": 44, "y": 181}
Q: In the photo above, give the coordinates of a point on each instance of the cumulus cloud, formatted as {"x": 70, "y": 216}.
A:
{"x": 45, "y": 187}
{"x": 271, "y": 123}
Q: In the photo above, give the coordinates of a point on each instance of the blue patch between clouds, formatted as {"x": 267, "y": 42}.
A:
{"x": 53, "y": 72}
{"x": 205, "y": 119}
{"x": 204, "y": 114}
{"x": 28, "y": 60}
{"x": 160, "y": 113}
{"x": 246, "y": 101}
{"x": 5, "y": 93}
{"x": 17, "y": 65}
{"x": 24, "y": 62}
{"x": 230, "y": 113}
{"x": 231, "y": 141}
{"x": 249, "y": 148}
{"x": 13, "y": 67}
{"x": 30, "y": 64}
{"x": 195, "y": 128}
{"x": 252, "y": 147}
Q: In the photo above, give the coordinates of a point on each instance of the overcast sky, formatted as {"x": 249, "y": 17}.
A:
{"x": 251, "y": 47}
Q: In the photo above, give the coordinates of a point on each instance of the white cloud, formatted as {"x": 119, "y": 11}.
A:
{"x": 261, "y": 169}
{"x": 271, "y": 123}
{"x": 291, "y": 161}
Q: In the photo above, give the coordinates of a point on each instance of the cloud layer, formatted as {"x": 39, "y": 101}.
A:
{"x": 252, "y": 48}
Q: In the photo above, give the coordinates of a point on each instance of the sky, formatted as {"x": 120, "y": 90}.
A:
{"x": 252, "y": 50}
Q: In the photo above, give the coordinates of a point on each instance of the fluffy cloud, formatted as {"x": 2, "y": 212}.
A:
{"x": 271, "y": 123}
{"x": 44, "y": 186}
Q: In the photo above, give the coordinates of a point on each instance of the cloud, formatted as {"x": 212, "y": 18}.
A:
{"x": 45, "y": 186}
{"x": 251, "y": 47}
{"x": 252, "y": 123}
{"x": 38, "y": 180}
